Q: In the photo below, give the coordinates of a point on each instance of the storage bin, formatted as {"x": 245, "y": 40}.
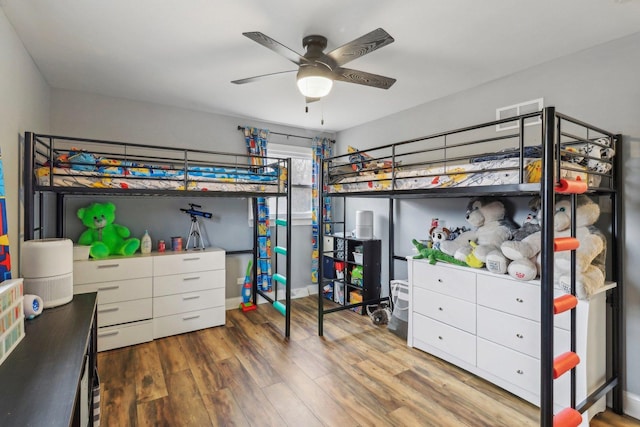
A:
{"x": 354, "y": 298}
{"x": 357, "y": 257}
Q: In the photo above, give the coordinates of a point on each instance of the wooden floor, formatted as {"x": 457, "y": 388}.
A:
{"x": 247, "y": 374}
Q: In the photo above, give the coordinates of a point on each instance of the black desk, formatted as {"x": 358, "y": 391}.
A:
{"x": 40, "y": 380}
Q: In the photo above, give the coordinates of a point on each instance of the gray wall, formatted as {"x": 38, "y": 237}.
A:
{"x": 24, "y": 102}
{"x": 600, "y": 86}
{"x": 94, "y": 116}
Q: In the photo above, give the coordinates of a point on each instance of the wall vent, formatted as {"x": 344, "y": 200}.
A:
{"x": 516, "y": 110}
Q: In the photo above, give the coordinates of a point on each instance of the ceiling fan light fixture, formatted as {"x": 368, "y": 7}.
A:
{"x": 315, "y": 86}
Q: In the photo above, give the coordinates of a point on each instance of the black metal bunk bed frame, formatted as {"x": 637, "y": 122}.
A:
{"x": 40, "y": 150}
{"x": 550, "y": 139}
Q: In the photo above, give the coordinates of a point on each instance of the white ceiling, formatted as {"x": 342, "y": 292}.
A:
{"x": 184, "y": 53}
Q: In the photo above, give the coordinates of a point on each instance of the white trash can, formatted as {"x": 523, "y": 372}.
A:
{"x": 400, "y": 314}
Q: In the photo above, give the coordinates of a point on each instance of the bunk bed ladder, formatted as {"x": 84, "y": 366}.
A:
{"x": 280, "y": 250}
{"x": 568, "y": 361}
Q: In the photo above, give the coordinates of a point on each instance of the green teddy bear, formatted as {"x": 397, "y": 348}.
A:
{"x": 105, "y": 237}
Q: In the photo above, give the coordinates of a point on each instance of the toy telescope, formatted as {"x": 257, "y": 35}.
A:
{"x": 194, "y": 212}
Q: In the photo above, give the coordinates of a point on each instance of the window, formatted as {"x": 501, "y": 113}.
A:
{"x": 516, "y": 110}
{"x": 300, "y": 175}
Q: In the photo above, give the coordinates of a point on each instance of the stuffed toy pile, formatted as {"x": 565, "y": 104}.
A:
{"x": 590, "y": 255}
{"x": 491, "y": 225}
{"x": 105, "y": 237}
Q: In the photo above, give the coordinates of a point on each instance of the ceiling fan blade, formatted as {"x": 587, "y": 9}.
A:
{"x": 275, "y": 46}
{"x": 360, "y": 46}
{"x": 254, "y": 78}
{"x": 310, "y": 100}
{"x": 362, "y": 78}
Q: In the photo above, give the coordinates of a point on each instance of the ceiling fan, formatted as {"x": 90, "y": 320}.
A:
{"x": 317, "y": 70}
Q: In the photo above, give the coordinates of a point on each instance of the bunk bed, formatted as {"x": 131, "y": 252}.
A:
{"x": 69, "y": 166}
{"x": 537, "y": 154}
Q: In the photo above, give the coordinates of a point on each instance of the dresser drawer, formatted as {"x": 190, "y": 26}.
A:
{"x": 453, "y": 341}
{"x": 124, "y": 311}
{"x": 188, "y": 262}
{"x": 188, "y": 282}
{"x": 519, "y": 369}
{"x": 182, "y": 303}
{"x": 446, "y": 309}
{"x": 455, "y": 282}
{"x": 124, "y": 335}
{"x": 111, "y": 269}
{"x": 518, "y": 333}
{"x": 186, "y": 322}
{"x": 515, "y": 297}
{"x": 122, "y": 290}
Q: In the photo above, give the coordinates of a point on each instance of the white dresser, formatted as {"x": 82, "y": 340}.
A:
{"x": 188, "y": 291}
{"x": 489, "y": 325}
{"x": 143, "y": 297}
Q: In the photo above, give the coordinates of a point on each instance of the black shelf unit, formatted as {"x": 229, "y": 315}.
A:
{"x": 348, "y": 277}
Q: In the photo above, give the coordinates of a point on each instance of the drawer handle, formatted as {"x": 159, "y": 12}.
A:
{"x": 519, "y": 300}
{"x": 440, "y": 280}
{"x": 190, "y": 278}
{"x": 108, "y": 334}
{"x": 108, "y": 310}
{"x": 440, "y": 308}
{"x": 109, "y": 266}
{"x": 520, "y": 336}
{"x": 108, "y": 288}
{"x": 520, "y": 372}
{"x": 195, "y": 316}
{"x": 190, "y": 297}
{"x": 440, "y": 337}
{"x": 191, "y": 259}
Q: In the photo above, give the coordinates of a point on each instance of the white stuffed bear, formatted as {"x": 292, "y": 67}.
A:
{"x": 487, "y": 215}
{"x": 590, "y": 255}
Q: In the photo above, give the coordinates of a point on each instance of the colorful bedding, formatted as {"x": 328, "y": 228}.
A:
{"x": 83, "y": 169}
{"x": 499, "y": 171}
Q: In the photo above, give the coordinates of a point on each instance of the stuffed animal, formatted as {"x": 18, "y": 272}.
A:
{"x": 105, "y": 237}
{"x": 438, "y": 235}
{"x": 590, "y": 255}
{"x": 498, "y": 261}
{"x": 492, "y": 227}
{"x": 435, "y": 255}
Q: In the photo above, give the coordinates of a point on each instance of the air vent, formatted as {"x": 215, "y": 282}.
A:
{"x": 517, "y": 110}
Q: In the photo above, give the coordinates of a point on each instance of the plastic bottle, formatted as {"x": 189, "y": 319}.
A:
{"x": 145, "y": 243}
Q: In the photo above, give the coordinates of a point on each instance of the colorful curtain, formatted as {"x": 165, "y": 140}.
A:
{"x": 256, "y": 140}
{"x": 322, "y": 148}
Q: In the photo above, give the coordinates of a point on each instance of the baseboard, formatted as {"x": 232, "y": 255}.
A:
{"x": 631, "y": 404}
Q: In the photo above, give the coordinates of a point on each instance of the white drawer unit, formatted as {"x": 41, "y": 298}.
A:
{"x": 443, "y": 308}
{"x": 169, "y": 263}
{"x": 489, "y": 325}
{"x": 458, "y": 283}
{"x": 125, "y": 289}
{"x": 154, "y": 295}
{"x": 188, "y": 291}
{"x": 453, "y": 341}
{"x": 111, "y": 337}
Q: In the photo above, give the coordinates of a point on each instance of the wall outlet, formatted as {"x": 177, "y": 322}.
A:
{"x": 240, "y": 281}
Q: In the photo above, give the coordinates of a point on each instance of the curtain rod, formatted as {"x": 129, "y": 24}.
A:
{"x": 287, "y": 134}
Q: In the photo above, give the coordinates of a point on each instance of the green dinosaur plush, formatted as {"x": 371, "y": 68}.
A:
{"x": 434, "y": 255}
{"x": 105, "y": 237}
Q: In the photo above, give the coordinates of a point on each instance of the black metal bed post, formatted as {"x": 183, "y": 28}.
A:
{"x": 320, "y": 219}
{"x": 547, "y": 194}
{"x": 392, "y": 246}
{"x": 27, "y": 187}
{"x": 59, "y": 215}
{"x": 289, "y": 251}
{"x": 617, "y": 318}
